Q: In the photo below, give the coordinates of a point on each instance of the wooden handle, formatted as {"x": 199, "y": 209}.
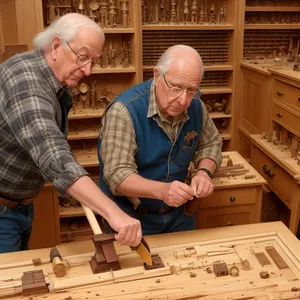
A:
{"x": 92, "y": 220}
{"x": 191, "y": 206}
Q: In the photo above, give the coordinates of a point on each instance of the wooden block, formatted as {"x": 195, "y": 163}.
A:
{"x": 280, "y": 263}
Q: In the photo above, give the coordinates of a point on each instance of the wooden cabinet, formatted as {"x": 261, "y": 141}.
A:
{"x": 270, "y": 36}
{"x": 283, "y": 179}
{"x": 255, "y": 102}
{"x": 45, "y": 227}
{"x": 276, "y": 155}
{"x": 235, "y": 200}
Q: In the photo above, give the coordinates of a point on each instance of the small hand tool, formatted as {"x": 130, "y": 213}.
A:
{"x": 59, "y": 268}
{"x": 142, "y": 249}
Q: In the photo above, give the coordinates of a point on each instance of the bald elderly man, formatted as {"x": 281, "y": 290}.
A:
{"x": 34, "y": 103}
{"x": 150, "y": 134}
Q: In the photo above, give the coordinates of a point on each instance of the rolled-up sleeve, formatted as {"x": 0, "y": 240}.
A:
{"x": 118, "y": 146}
{"x": 33, "y": 124}
{"x": 210, "y": 142}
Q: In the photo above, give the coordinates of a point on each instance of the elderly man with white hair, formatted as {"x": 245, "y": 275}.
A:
{"x": 150, "y": 134}
{"x": 34, "y": 103}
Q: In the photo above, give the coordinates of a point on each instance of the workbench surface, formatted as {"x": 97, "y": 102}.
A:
{"x": 191, "y": 269}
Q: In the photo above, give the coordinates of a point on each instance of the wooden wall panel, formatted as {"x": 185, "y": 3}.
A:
{"x": 9, "y": 22}
{"x": 20, "y": 21}
{"x": 2, "y": 47}
{"x": 26, "y": 11}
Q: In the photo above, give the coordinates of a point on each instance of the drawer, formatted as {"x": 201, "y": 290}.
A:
{"x": 287, "y": 94}
{"x": 219, "y": 217}
{"x": 280, "y": 182}
{"x": 286, "y": 119}
{"x": 229, "y": 197}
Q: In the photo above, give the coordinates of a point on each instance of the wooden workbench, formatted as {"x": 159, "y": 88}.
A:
{"x": 188, "y": 273}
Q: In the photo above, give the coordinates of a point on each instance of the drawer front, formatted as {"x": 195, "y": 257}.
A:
{"x": 287, "y": 94}
{"x": 229, "y": 197}
{"x": 278, "y": 179}
{"x": 219, "y": 217}
{"x": 286, "y": 119}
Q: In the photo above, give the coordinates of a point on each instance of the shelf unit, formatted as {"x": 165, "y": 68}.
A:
{"x": 118, "y": 69}
{"x": 213, "y": 39}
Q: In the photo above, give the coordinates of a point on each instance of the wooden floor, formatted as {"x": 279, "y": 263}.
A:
{"x": 189, "y": 260}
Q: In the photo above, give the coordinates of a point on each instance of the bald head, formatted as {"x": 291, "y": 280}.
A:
{"x": 180, "y": 55}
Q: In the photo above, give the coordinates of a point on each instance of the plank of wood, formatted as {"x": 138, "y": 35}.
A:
{"x": 280, "y": 263}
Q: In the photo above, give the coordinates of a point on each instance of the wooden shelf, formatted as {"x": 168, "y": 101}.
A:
{"x": 226, "y": 137}
{"x": 272, "y": 26}
{"x": 216, "y": 90}
{"x": 117, "y": 30}
{"x": 273, "y": 8}
{"x": 216, "y": 115}
{"x": 87, "y": 157}
{"x": 119, "y": 69}
{"x": 85, "y": 113}
{"x": 84, "y": 134}
{"x": 188, "y": 27}
{"x": 206, "y": 68}
{"x": 83, "y": 227}
{"x": 67, "y": 212}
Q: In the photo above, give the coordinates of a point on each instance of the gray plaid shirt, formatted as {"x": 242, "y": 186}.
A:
{"x": 33, "y": 149}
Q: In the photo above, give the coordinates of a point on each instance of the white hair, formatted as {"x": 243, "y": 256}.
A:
{"x": 66, "y": 27}
{"x": 167, "y": 58}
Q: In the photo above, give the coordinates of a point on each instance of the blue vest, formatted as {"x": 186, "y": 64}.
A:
{"x": 158, "y": 158}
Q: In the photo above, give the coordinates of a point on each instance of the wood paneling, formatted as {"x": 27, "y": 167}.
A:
{"x": 45, "y": 228}
{"x": 255, "y": 102}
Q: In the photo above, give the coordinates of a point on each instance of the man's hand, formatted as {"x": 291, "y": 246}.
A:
{"x": 202, "y": 185}
{"x": 129, "y": 231}
{"x": 177, "y": 193}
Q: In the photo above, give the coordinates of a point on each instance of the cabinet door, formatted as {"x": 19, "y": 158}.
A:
{"x": 255, "y": 102}
{"x": 45, "y": 228}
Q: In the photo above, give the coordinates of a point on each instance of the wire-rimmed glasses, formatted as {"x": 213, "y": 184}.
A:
{"x": 177, "y": 91}
{"x": 81, "y": 60}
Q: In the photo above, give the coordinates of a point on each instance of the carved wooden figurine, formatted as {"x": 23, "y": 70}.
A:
{"x": 145, "y": 18}
{"x": 93, "y": 6}
{"x": 84, "y": 89}
{"x": 126, "y": 50}
{"x": 194, "y": 12}
{"x": 103, "y": 14}
{"x": 93, "y": 94}
{"x": 201, "y": 17}
{"x": 124, "y": 10}
{"x": 173, "y": 11}
{"x": 112, "y": 13}
{"x": 112, "y": 56}
{"x": 212, "y": 14}
{"x": 186, "y": 12}
{"x": 81, "y": 7}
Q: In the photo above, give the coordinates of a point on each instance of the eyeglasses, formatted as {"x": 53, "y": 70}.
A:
{"x": 81, "y": 60}
{"x": 177, "y": 91}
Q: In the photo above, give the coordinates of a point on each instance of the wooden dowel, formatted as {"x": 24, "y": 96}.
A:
{"x": 92, "y": 220}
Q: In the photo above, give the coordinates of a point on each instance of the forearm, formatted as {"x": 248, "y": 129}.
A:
{"x": 88, "y": 193}
{"x": 207, "y": 163}
{"x": 137, "y": 186}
